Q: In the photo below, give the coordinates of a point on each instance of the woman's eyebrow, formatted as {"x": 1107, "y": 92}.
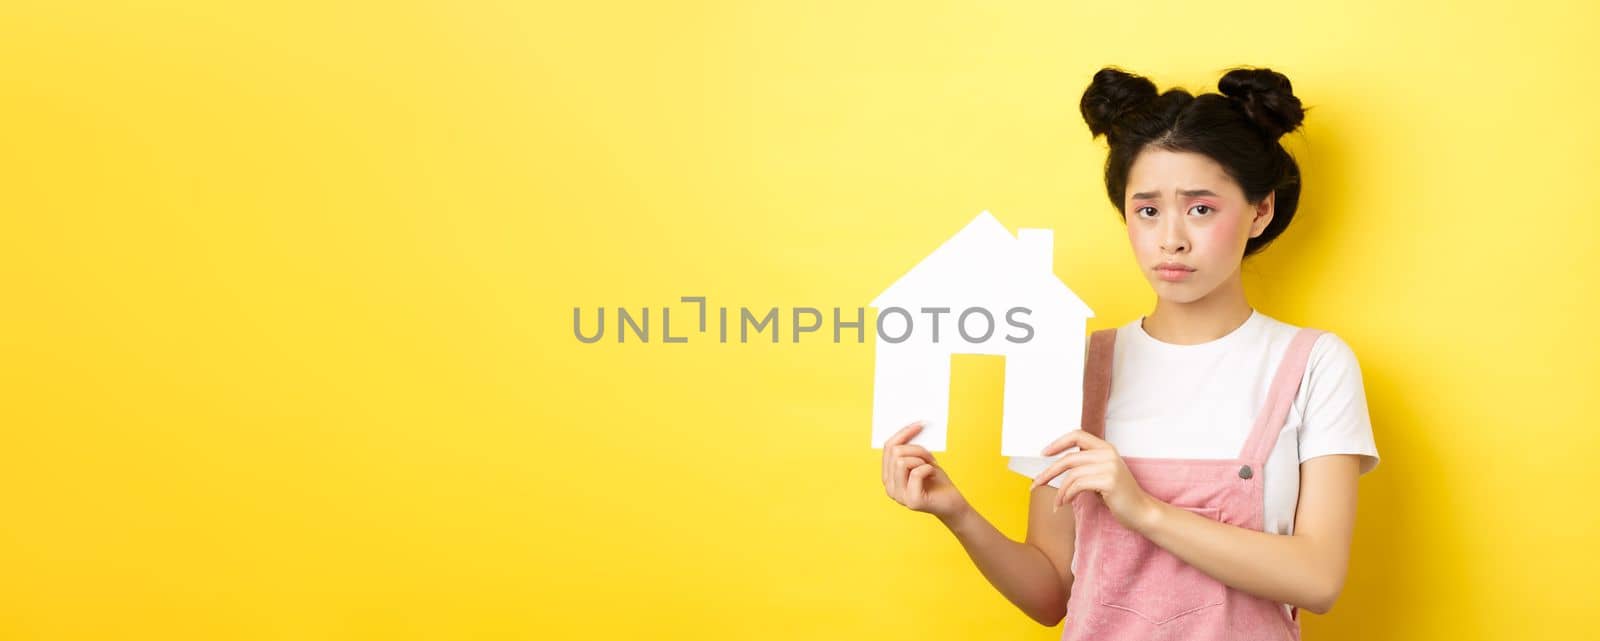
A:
{"x": 1181, "y": 192}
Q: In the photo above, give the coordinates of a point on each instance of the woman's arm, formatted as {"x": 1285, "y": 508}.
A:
{"x": 1306, "y": 569}
{"x": 1035, "y": 575}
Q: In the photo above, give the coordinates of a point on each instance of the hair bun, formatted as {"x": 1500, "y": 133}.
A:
{"x": 1112, "y": 94}
{"x": 1266, "y": 96}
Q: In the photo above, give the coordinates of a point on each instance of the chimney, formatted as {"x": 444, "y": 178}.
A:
{"x": 1037, "y": 248}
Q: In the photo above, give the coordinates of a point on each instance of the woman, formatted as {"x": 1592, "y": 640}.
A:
{"x": 1212, "y": 484}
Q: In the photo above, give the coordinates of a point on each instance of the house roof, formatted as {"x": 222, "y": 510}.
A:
{"x": 984, "y": 259}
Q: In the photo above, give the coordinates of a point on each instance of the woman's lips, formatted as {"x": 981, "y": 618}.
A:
{"x": 1173, "y": 275}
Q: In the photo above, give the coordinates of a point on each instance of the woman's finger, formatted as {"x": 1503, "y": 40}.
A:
{"x": 1087, "y": 440}
{"x": 905, "y": 434}
{"x": 914, "y": 455}
{"x": 1061, "y": 465}
{"x": 1093, "y": 478}
{"x": 909, "y": 463}
{"x": 915, "y": 450}
{"x": 915, "y": 483}
{"x": 895, "y": 476}
{"x": 1083, "y": 440}
{"x": 900, "y": 437}
{"x": 902, "y": 469}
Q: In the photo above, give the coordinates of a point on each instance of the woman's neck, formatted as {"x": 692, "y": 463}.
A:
{"x": 1203, "y": 320}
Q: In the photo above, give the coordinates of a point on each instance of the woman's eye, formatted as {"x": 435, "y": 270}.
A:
{"x": 1141, "y": 210}
{"x": 1205, "y": 207}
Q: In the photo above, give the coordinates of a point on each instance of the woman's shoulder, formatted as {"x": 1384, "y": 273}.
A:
{"x": 1331, "y": 368}
{"x": 1332, "y": 402}
{"x": 1328, "y": 345}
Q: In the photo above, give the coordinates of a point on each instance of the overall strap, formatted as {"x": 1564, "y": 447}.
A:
{"x": 1285, "y": 385}
{"x": 1097, "y": 381}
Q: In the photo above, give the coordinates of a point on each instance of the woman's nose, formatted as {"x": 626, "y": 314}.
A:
{"x": 1173, "y": 237}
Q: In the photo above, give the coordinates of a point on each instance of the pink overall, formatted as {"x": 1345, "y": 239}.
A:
{"x": 1128, "y": 588}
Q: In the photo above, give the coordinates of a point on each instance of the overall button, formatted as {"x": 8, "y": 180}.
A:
{"x": 1244, "y": 472}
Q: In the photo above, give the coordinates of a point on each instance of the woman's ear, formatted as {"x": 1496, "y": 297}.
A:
{"x": 1263, "y": 214}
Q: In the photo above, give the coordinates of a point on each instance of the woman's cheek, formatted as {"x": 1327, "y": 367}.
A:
{"x": 1146, "y": 247}
{"x": 1143, "y": 236}
{"x": 1227, "y": 232}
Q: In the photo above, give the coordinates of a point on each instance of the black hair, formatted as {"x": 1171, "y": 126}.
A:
{"x": 1238, "y": 128}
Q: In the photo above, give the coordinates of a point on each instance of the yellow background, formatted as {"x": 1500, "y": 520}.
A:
{"x": 287, "y": 346}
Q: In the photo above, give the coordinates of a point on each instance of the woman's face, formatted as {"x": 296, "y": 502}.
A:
{"x": 1182, "y": 208}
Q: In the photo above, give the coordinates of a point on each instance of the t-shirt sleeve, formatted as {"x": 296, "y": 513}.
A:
{"x": 1335, "y": 418}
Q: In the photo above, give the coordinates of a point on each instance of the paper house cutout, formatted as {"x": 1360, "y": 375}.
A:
{"x": 982, "y": 266}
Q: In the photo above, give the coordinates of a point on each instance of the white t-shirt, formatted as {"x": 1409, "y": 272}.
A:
{"x": 1200, "y": 401}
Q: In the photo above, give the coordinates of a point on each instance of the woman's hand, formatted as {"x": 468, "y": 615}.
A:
{"x": 915, "y": 480}
{"x": 1098, "y": 467}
